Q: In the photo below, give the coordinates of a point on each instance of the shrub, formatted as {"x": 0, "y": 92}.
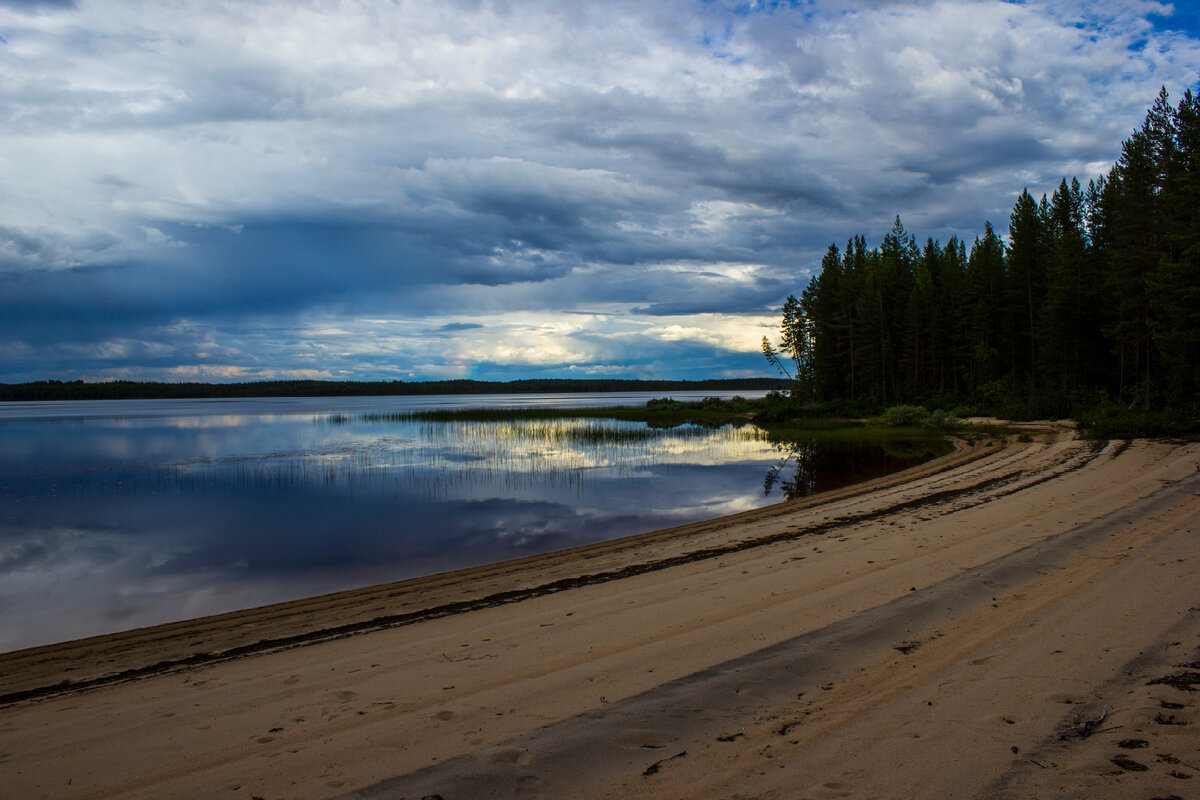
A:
{"x": 940, "y": 420}
{"x": 904, "y": 416}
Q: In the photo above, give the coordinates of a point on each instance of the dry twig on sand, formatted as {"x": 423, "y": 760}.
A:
{"x": 1084, "y": 728}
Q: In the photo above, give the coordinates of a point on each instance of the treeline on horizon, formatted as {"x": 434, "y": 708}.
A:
{"x": 1093, "y": 303}
{"x": 138, "y": 390}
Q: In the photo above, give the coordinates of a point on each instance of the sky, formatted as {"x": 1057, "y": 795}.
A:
{"x": 410, "y": 190}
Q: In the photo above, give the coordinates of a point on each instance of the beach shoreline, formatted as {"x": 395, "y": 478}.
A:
{"x": 929, "y": 633}
{"x": 63, "y": 667}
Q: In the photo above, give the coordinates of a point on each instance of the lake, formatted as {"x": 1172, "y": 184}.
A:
{"x": 120, "y": 514}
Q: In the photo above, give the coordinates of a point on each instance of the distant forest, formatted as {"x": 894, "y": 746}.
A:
{"x": 135, "y": 390}
{"x": 1093, "y": 301}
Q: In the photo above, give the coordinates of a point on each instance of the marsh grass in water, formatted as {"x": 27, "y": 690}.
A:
{"x": 816, "y": 452}
{"x": 557, "y": 451}
{"x": 658, "y": 413}
{"x": 435, "y": 455}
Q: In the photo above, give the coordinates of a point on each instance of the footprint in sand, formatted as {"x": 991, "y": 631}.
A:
{"x": 511, "y": 755}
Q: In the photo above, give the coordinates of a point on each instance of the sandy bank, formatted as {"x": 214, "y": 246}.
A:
{"x": 931, "y": 634}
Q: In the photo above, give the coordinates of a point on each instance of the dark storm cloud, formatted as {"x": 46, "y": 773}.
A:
{"x": 773, "y": 181}
{"x": 742, "y": 300}
{"x": 983, "y": 155}
{"x": 679, "y": 149}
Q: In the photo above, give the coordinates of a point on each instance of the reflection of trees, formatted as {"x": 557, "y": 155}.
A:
{"x": 801, "y": 456}
{"x": 909, "y": 449}
{"x": 812, "y": 462}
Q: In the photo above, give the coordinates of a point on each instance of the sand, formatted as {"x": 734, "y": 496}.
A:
{"x": 951, "y": 631}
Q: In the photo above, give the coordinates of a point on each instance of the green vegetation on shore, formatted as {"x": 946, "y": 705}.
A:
{"x": 775, "y": 413}
{"x": 812, "y": 448}
{"x": 657, "y": 413}
{"x": 1109, "y": 421}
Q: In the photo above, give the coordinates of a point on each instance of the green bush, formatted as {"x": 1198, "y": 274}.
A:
{"x": 904, "y": 416}
{"x": 919, "y": 417}
{"x": 940, "y": 420}
{"x": 1110, "y": 421}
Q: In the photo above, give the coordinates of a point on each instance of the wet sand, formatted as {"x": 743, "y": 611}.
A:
{"x": 954, "y": 630}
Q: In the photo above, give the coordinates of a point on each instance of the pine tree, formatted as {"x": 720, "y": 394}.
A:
{"x": 1068, "y": 316}
{"x": 950, "y": 319}
{"x": 988, "y": 334}
{"x": 1133, "y": 211}
{"x": 1175, "y": 285}
{"x": 819, "y": 304}
{"x": 795, "y": 342}
{"x": 1026, "y": 267}
{"x": 919, "y": 320}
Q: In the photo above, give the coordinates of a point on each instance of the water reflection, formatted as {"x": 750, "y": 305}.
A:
{"x": 121, "y": 520}
{"x": 813, "y": 461}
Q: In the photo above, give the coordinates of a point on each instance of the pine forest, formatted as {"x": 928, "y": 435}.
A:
{"x": 1092, "y": 302}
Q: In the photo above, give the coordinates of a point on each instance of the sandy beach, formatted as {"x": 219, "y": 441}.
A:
{"x": 1014, "y": 620}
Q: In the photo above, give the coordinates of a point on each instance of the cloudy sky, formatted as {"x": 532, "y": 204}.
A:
{"x": 418, "y": 190}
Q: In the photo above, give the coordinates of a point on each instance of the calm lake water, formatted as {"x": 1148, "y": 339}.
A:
{"x": 119, "y": 514}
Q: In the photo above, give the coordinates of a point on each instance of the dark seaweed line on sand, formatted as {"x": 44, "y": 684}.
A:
{"x": 519, "y": 595}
